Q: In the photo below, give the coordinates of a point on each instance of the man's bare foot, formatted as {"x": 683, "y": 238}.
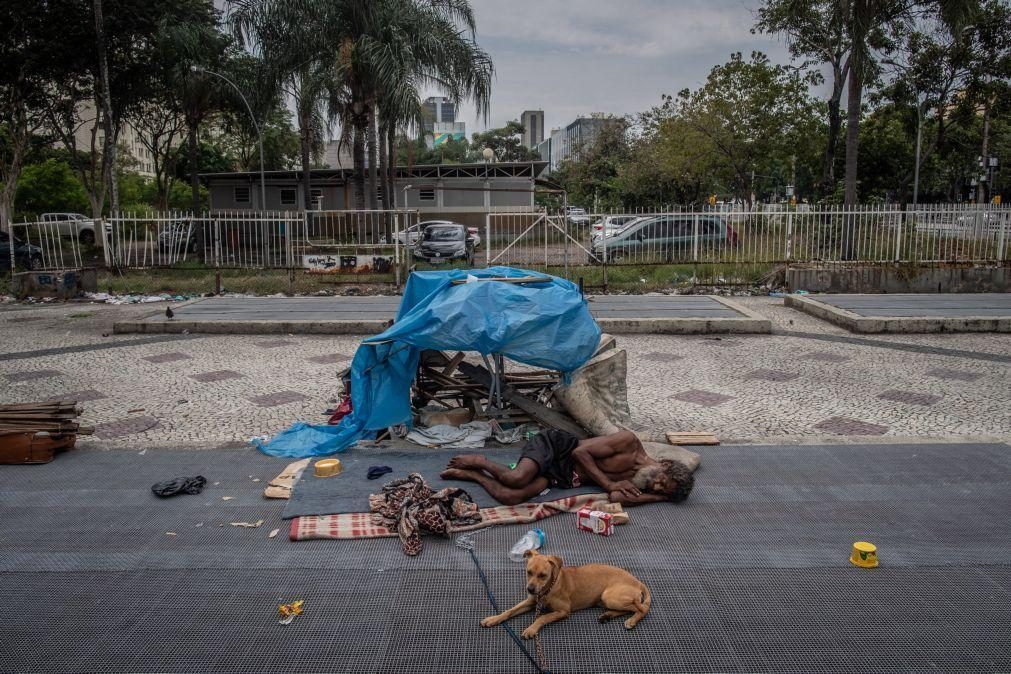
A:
{"x": 457, "y": 474}
{"x": 467, "y": 461}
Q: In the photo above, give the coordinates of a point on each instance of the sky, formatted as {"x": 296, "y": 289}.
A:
{"x": 576, "y": 57}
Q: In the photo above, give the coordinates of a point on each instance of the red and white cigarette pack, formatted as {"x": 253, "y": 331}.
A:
{"x": 595, "y": 521}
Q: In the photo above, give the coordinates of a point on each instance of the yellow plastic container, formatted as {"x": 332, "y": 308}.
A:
{"x": 327, "y": 467}
{"x": 865, "y": 555}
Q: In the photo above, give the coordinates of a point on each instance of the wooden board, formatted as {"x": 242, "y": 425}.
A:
{"x": 544, "y": 415}
{"x": 692, "y": 439}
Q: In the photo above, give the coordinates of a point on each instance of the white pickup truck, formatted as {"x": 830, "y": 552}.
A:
{"x": 81, "y": 227}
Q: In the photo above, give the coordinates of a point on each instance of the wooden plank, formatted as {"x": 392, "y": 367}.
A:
{"x": 692, "y": 439}
{"x": 508, "y": 279}
{"x": 542, "y": 414}
{"x": 456, "y": 360}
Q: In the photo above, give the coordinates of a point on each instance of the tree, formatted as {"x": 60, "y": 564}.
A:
{"x": 31, "y": 62}
{"x": 748, "y": 116}
{"x": 591, "y": 180}
{"x": 817, "y": 35}
{"x": 49, "y": 186}
{"x": 373, "y": 51}
{"x": 506, "y": 143}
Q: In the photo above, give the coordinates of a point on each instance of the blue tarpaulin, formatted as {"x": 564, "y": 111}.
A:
{"x": 541, "y": 324}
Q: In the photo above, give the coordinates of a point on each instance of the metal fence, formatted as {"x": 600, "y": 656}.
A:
{"x": 382, "y": 242}
{"x": 936, "y": 234}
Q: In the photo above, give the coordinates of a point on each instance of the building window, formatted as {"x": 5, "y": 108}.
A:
{"x": 317, "y": 197}
{"x": 242, "y": 195}
{"x": 379, "y": 192}
{"x": 426, "y": 194}
{"x": 287, "y": 196}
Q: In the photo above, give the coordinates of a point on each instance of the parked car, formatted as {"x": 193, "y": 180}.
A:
{"x": 663, "y": 235}
{"x": 445, "y": 241}
{"x": 611, "y": 225}
{"x": 75, "y": 225}
{"x": 26, "y": 256}
{"x": 178, "y": 236}
{"x": 412, "y": 235}
{"x": 577, "y": 216}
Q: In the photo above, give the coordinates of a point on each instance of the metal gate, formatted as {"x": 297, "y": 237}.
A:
{"x": 537, "y": 239}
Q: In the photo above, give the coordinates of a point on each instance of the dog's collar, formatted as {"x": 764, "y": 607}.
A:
{"x": 551, "y": 583}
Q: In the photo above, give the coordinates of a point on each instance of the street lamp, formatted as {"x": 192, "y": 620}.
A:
{"x": 920, "y": 103}
{"x": 259, "y": 132}
{"x": 488, "y": 155}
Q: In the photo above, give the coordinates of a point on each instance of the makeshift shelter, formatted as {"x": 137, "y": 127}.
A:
{"x": 544, "y": 323}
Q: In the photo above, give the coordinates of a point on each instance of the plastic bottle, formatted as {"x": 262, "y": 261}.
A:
{"x": 532, "y": 540}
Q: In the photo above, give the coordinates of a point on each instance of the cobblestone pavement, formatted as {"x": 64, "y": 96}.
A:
{"x": 808, "y": 381}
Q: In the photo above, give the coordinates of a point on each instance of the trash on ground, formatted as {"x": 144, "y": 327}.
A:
{"x": 171, "y": 533}
{"x": 35, "y": 432}
{"x": 227, "y": 498}
{"x": 595, "y": 521}
{"x": 273, "y": 532}
{"x": 179, "y": 485}
{"x": 247, "y": 525}
{"x": 281, "y": 486}
{"x": 532, "y": 540}
{"x": 290, "y": 611}
{"x": 468, "y": 436}
{"x": 327, "y": 467}
{"x": 864, "y": 555}
{"x": 376, "y": 472}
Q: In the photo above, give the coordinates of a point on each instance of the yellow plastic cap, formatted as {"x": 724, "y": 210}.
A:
{"x": 865, "y": 555}
{"x": 327, "y": 467}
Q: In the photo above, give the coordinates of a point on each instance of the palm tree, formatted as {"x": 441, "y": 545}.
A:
{"x": 372, "y": 58}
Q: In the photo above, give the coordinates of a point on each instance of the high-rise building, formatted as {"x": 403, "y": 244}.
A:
{"x": 533, "y": 127}
{"x": 566, "y": 143}
{"x": 438, "y": 110}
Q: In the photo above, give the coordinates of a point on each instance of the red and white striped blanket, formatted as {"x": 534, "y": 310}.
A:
{"x": 360, "y": 525}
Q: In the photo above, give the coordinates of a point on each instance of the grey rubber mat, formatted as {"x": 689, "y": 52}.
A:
{"x": 749, "y": 575}
{"x": 349, "y": 491}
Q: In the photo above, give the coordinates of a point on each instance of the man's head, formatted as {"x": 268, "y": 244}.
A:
{"x": 666, "y": 477}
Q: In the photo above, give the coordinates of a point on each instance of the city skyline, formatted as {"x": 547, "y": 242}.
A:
{"x": 575, "y": 60}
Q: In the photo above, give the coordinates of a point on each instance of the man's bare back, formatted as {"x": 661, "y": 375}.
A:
{"x": 617, "y": 463}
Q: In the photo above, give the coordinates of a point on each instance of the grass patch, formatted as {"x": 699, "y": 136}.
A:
{"x": 200, "y": 281}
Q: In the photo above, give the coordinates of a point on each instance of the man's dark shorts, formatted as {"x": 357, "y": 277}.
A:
{"x": 552, "y": 450}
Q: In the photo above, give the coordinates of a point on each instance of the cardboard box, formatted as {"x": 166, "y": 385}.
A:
{"x": 595, "y": 521}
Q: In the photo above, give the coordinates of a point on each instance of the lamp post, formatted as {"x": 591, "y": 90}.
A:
{"x": 259, "y": 132}
{"x": 489, "y": 155}
{"x": 919, "y": 134}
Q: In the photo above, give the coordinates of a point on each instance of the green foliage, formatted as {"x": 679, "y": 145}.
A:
{"x": 506, "y": 143}
{"x": 49, "y": 186}
{"x": 593, "y": 181}
{"x": 415, "y": 152}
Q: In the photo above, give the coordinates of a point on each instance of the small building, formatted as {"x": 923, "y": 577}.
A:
{"x": 459, "y": 192}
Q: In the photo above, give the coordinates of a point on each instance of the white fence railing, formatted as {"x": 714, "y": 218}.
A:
{"x": 880, "y": 234}
{"x": 382, "y": 241}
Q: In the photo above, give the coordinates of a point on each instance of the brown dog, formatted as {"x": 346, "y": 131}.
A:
{"x": 566, "y": 589}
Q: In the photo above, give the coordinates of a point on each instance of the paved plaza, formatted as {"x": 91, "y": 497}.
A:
{"x": 808, "y": 382}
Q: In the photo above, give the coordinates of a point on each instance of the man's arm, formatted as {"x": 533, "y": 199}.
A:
{"x": 624, "y": 499}
{"x": 586, "y": 455}
{"x": 590, "y": 451}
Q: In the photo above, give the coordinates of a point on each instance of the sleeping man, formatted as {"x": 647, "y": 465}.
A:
{"x": 617, "y": 463}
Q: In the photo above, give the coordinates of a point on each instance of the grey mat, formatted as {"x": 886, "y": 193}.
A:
{"x": 748, "y": 575}
{"x": 349, "y": 491}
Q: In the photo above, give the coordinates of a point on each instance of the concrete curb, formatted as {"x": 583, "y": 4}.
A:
{"x": 748, "y": 323}
{"x": 895, "y": 324}
{"x": 335, "y": 327}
